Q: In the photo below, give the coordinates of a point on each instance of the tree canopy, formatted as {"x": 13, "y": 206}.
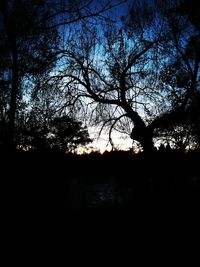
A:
{"x": 142, "y": 74}
{"x": 138, "y": 75}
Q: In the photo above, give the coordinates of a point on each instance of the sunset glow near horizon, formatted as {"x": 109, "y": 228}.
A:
{"x": 101, "y": 144}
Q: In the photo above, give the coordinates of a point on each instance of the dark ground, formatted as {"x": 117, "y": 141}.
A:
{"x": 117, "y": 183}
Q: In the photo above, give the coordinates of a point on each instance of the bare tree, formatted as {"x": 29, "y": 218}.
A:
{"x": 112, "y": 70}
{"x": 121, "y": 72}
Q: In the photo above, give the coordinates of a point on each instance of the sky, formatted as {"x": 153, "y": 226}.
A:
{"x": 101, "y": 145}
{"x": 121, "y": 141}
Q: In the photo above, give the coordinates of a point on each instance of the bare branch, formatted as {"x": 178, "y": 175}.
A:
{"x": 79, "y": 17}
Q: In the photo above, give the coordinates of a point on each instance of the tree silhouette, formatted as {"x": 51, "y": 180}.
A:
{"x": 139, "y": 75}
{"x": 66, "y": 134}
{"x": 147, "y": 71}
{"x": 59, "y": 134}
{"x": 27, "y": 50}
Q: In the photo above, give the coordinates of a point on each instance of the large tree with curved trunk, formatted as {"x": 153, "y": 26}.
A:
{"x": 147, "y": 71}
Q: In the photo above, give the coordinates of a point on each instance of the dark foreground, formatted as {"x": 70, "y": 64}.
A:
{"x": 102, "y": 185}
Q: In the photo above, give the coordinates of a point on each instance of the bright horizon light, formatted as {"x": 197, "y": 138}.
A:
{"x": 101, "y": 144}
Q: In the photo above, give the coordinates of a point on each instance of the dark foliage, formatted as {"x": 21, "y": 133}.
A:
{"x": 60, "y": 134}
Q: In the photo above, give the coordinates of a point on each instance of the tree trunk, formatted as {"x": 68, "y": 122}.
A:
{"x": 147, "y": 144}
{"x": 11, "y": 34}
{"x": 14, "y": 92}
{"x": 145, "y": 137}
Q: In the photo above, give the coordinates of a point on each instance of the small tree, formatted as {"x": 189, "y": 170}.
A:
{"x": 67, "y": 134}
{"x": 59, "y": 134}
